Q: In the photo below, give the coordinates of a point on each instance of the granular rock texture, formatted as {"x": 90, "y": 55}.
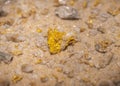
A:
{"x": 78, "y": 46}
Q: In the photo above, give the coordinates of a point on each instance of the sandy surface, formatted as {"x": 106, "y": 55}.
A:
{"x": 93, "y": 60}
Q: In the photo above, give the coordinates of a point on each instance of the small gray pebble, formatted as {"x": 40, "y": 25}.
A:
{"x": 5, "y": 57}
{"x": 66, "y": 12}
{"x": 27, "y": 68}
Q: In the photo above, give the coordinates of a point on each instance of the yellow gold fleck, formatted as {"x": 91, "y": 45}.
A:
{"x": 85, "y": 4}
{"x": 16, "y": 78}
{"x": 39, "y": 30}
{"x": 55, "y": 40}
{"x": 97, "y": 2}
{"x": 38, "y": 61}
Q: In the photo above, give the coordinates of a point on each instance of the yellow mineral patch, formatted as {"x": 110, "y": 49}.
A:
{"x": 85, "y": 3}
{"x": 38, "y": 61}
{"x": 90, "y": 23}
{"x": 97, "y": 2}
{"x": 16, "y": 78}
{"x": 16, "y": 52}
{"x": 72, "y": 2}
{"x": 54, "y": 40}
{"x": 19, "y": 11}
{"x": 114, "y": 12}
{"x": 59, "y": 69}
{"x": 39, "y": 30}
